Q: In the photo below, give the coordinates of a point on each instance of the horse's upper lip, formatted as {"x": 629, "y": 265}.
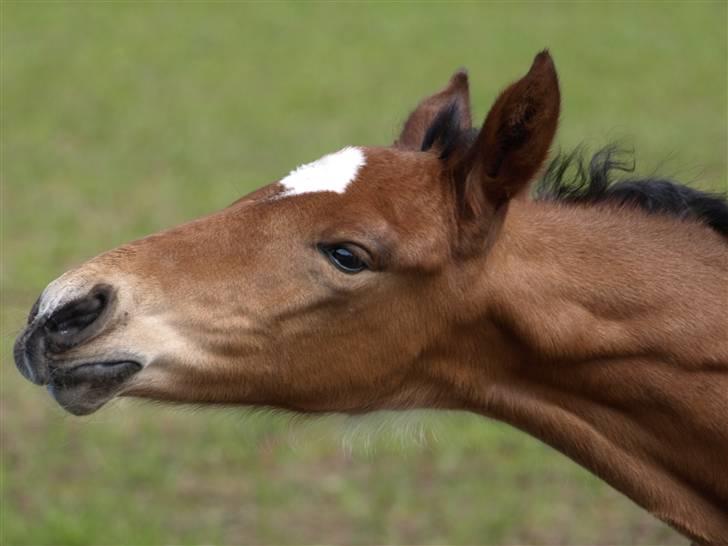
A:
{"x": 97, "y": 373}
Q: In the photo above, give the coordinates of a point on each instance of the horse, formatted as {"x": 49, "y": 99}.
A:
{"x": 431, "y": 274}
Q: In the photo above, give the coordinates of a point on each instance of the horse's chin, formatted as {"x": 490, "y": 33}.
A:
{"x": 76, "y": 400}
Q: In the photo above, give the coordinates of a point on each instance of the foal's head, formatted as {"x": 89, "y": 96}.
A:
{"x": 320, "y": 292}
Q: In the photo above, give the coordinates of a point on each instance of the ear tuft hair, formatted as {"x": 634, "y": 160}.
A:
{"x": 445, "y": 133}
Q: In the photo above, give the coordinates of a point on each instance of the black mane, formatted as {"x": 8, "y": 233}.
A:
{"x": 569, "y": 179}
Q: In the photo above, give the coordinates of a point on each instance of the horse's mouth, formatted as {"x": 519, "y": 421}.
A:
{"x": 84, "y": 388}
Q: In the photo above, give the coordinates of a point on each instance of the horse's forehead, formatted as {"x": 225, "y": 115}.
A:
{"x": 333, "y": 172}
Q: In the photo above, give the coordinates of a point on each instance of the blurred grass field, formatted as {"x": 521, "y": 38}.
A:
{"x": 120, "y": 119}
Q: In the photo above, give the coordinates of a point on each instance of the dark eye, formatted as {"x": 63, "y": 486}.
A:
{"x": 343, "y": 258}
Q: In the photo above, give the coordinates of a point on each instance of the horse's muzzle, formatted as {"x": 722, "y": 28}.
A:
{"x": 79, "y": 385}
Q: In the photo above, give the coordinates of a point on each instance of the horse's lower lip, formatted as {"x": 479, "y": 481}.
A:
{"x": 98, "y": 374}
{"x": 84, "y": 388}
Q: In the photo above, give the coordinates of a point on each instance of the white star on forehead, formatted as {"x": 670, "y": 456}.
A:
{"x": 333, "y": 172}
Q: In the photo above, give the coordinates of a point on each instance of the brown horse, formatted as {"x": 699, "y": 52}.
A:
{"x": 421, "y": 275}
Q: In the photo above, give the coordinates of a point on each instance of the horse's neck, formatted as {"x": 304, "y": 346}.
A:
{"x": 581, "y": 283}
{"x": 658, "y": 459}
{"x": 614, "y": 349}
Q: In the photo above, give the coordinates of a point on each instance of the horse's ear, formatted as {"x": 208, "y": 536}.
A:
{"x": 455, "y": 96}
{"x": 514, "y": 141}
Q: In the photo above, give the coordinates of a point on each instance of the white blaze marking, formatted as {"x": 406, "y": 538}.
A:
{"x": 333, "y": 172}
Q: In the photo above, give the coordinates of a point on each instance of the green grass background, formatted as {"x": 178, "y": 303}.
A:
{"x": 120, "y": 119}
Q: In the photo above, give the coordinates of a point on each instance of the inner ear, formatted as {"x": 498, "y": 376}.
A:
{"x": 437, "y": 111}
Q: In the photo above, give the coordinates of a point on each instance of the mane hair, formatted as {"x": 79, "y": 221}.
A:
{"x": 569, "y": 179}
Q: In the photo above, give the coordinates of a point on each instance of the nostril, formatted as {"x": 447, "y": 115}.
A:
{"x": 78, "y": 316}
{"x": 71, "y": 323}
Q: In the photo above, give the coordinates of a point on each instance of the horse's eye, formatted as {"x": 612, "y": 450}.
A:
{"x": 343, "y": 258}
